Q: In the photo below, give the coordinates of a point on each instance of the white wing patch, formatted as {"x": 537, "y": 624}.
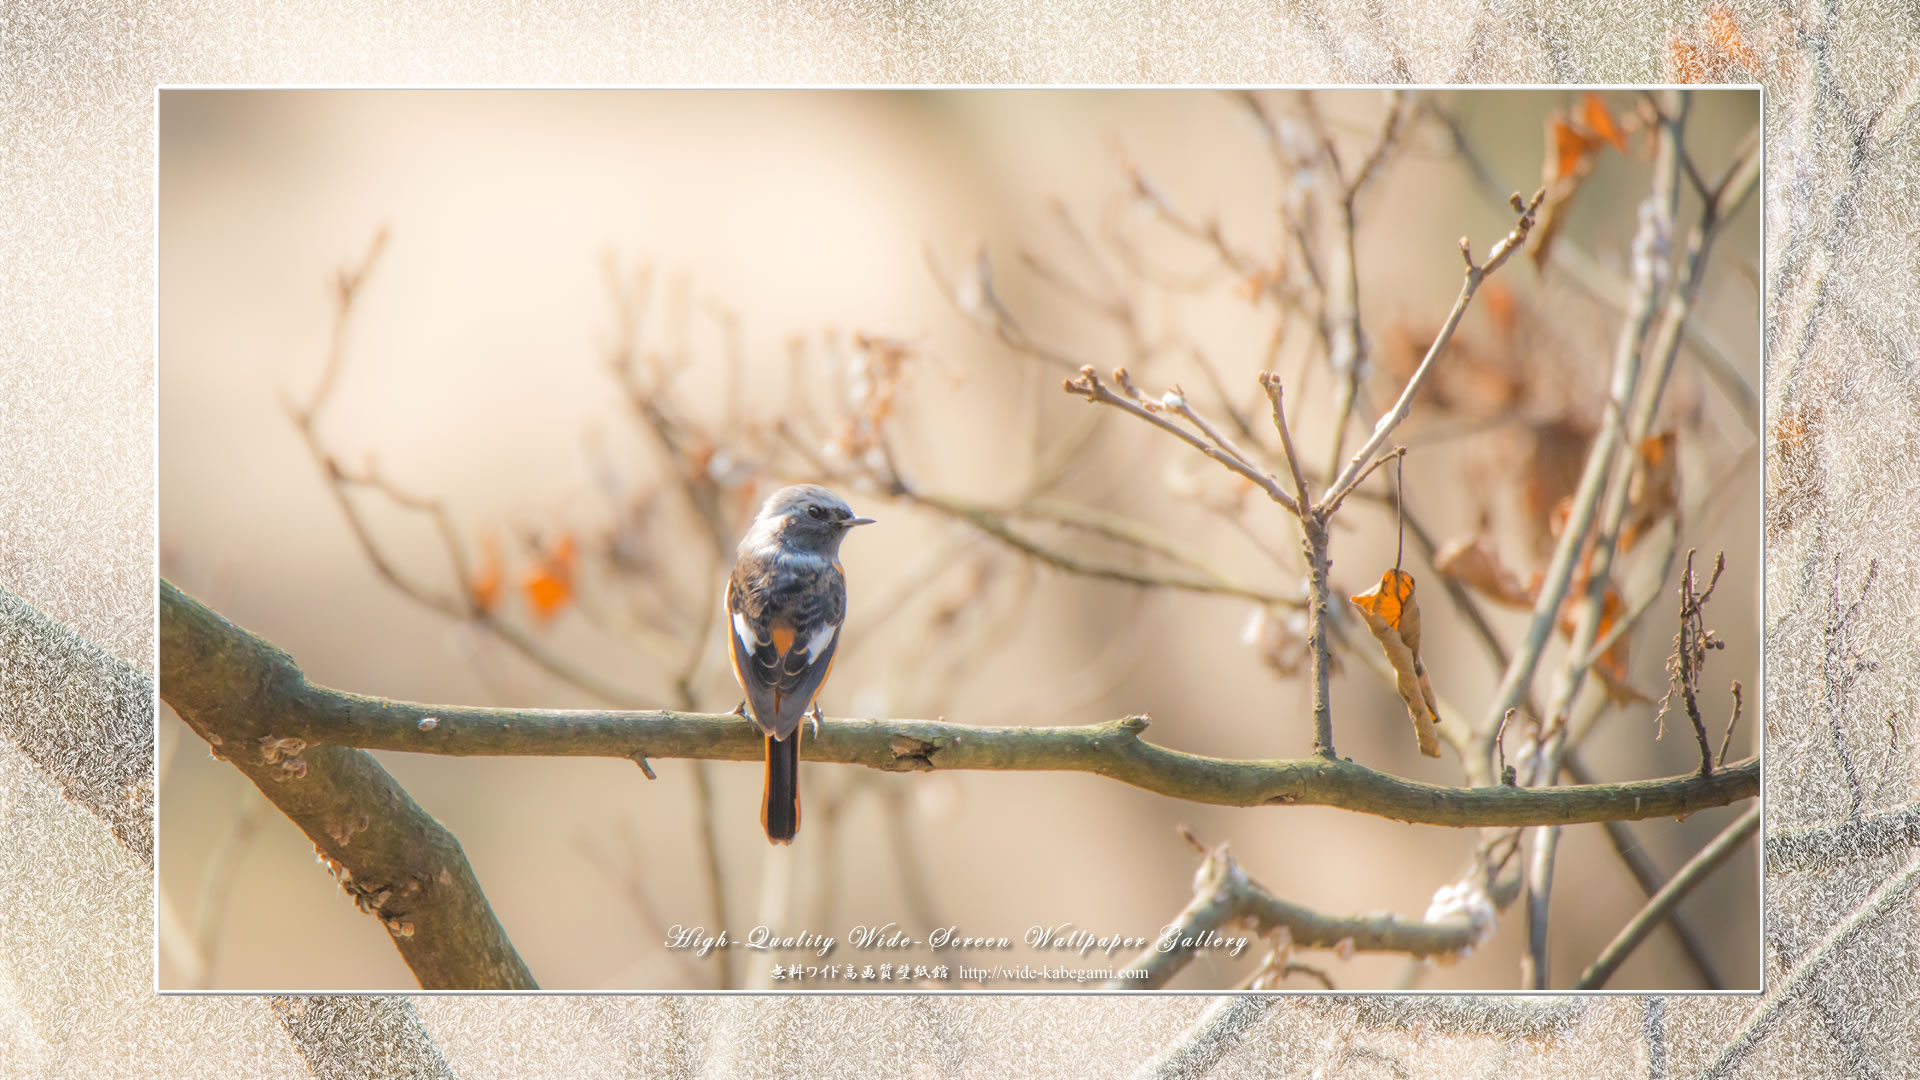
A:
{"x": 743, "y": 631}
{"x": 818, "y": 643}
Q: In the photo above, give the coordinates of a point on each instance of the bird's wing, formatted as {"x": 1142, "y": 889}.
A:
{"x": 783, "y": 627}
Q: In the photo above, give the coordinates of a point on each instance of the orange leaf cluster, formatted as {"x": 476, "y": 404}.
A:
{"x": 549, "y": 584}
{"x": 1707, "y": 52}
{"x": 1573, "y": 141}
{"x": 1394, "y": 620}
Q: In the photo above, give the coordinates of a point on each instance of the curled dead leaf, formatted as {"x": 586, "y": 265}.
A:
{"x": 1394, "y": 620}
{"x": 1474, "y": 563}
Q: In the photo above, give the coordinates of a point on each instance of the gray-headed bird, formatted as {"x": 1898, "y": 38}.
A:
{"x": 786, "y": 602}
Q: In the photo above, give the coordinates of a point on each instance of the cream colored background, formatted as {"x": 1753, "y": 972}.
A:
{"x": 473, "y": 372}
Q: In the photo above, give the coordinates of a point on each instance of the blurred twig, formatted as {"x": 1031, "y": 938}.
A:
{"x": 1890, "y": 895}
{"x": 1662, "y": 903}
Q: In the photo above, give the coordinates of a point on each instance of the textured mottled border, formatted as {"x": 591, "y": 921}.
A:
{"x": 76, "y": 490}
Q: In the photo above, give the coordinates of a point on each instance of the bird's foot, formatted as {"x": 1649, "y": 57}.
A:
{"x": 740, "y": 711}
{"x": 816, "y": 719}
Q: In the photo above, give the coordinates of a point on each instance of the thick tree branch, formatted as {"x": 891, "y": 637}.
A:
{"x": 238, "y": 692}
{"x": 1200, "y": 1047}
{"x": 209, "y": 662}
{"x": 81, "y": 714}
{"x": 348, "y": 1038}
{"x": 1829, "y": 847}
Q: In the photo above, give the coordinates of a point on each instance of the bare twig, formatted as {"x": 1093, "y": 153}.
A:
{"x": 1089, "y": 386}
{"x": 1662, "y": 903}
{"x": 1733, "y": 721}
{"x": 1475, "y": 275}
{"x": 1690, "y": 648}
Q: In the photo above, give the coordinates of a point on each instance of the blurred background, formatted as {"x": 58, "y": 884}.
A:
{"x": 602, "y": 325}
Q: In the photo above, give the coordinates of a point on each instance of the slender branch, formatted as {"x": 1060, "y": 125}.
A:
{"x": 1704, "y": 862}
{"x": 1226, "y": 896}
{"x": 398, "y": 863}
{"x": 1891, "y": 894}
{"x": 1517, "y": 680}
{"x": 1648, "y": 876}
{"x": 993, "y": 522}
{"x": 1089, "y": 386}
{"x": 1475, "y": 275}
{"x": 216, "y": 889}
{"x": 1533, "y": 962}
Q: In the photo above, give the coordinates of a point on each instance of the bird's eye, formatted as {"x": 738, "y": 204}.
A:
{"x": 815, "y": 512}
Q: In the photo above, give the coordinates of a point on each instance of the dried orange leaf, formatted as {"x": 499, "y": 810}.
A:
{"x": 1394, "y": 619}
{"x": 1725, "y": 35}
{"x": 1686, "y": 63}
{"x": 1473, "y": 562}
{"x": 1569, "y": 149}
{"x": 549, "y": 586}
{"x": 1600, "y": 122}
{"x": 1611, "y": 667}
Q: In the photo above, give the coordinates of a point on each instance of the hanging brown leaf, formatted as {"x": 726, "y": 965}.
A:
{"x": 1600, "y": 122}
{"x": 1653, "y": 492}
{"x": 1474, "y": 563}
{"x": 1394, "y": 619}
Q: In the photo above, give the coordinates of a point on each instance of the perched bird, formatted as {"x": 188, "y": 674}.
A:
{"x": 786, "y": 601}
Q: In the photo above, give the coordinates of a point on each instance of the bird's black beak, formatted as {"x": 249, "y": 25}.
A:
{"x": 851, "y": 522}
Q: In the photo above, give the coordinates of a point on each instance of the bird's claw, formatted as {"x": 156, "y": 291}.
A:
{"x": 816, "y": 720}
{"x": 740, "y": 711}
